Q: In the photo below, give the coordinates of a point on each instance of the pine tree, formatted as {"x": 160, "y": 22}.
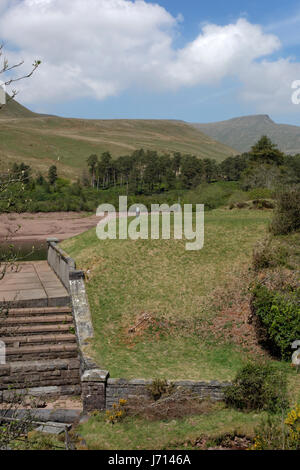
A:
{"x": 52, "y": 175}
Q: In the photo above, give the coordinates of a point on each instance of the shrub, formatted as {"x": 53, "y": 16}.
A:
{"x": 262, "y": 256}
{"x": 275, "y": 435}
{"x": 257, "y": 387}
{"x": 118, "y": 412}
{"x": 238, "y": 196}
{"x": 279, "y": 317}
{"x": 160, "y": 388}
{"x": 263, "y": 204}
{"x": 260, "y": 193}
{"x": 242, "y": 205}
{"x": 287, "y": 215}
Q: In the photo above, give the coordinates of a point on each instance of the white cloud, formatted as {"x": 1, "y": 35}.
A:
{"x": 98, "y": 48}
{"x": 221, "y": 51}
{"x": 268, "y": 85}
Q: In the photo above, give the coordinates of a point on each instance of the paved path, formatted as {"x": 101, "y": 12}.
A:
{"x": 33, "y": 285}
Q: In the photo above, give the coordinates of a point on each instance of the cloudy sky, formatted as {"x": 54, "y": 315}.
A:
{"x": 176, "y": 59}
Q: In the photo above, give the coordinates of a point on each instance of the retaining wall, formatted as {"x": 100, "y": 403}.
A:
{"x": 60, "y": 374}
{"x": 120, "y": 388}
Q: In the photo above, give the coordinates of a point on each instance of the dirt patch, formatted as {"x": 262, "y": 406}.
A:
{"x": 40, "y": 226}
{"x": 144, "y": 325}
{"x": 227, "y": 442}
{"x": 65, "y": 403}
{"x": 61, "y": 403}
{"x": 232, "y": 325}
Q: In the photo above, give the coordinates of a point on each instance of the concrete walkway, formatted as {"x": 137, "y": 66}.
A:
{"x": 34, "y": 284}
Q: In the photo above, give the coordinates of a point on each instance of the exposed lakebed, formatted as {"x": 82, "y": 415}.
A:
{"x": 25, "y": 235}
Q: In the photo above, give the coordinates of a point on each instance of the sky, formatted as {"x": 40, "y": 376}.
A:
{"x": 192, "y": 60}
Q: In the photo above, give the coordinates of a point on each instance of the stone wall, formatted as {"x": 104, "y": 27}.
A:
{"x": 65, "y": 268}
{"x": 93, "y": 378}
{"x": 60, "y": 262}
{"x": 100, "y": 392}
{"x": 39, "y": 373}
{"x": 120, "y": 388}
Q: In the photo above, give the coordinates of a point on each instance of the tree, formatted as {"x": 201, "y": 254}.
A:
{"x": 52, "y": 175}
{"x": 6, "y": 67}
{"x": 231, "y": 168}
{"x": 12, "y": 181}
{"x": 92, "y": 162}
{"x": 211, "y": 170}
{"x": 264, "y": 151}
{"x": 192, "y": 171}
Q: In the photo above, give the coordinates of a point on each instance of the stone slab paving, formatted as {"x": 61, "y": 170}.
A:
{"x": 53, "y": 428}
{"x": 33, "y": 284}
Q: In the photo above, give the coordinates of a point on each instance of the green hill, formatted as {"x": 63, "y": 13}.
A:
{"x": 13, "y": 109}
{"x": 243, "y": 132}
{"x": 41, "y": 140}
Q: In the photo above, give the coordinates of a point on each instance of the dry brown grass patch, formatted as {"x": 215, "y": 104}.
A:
{"x": 178, "y": 405}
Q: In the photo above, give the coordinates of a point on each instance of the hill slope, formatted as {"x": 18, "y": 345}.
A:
{"x": 41, "y": 140}
{"x": 243, "y": 132}
{"x": 13, "y": 109}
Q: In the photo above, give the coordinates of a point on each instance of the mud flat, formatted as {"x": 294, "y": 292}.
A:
{"x": 40, "y": 226}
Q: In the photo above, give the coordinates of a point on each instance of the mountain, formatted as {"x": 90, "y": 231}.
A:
{"x": 243, "y": 132}
{"x": 42, "y": 140}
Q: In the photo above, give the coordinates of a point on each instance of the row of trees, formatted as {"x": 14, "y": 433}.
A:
{"x": 147, "y": 171}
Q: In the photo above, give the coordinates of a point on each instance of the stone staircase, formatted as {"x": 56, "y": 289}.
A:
{"x": 41, "y": 350}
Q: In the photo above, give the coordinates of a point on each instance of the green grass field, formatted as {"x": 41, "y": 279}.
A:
{"x": 42, "y": 140}
{"x": 183, "y": 295}
{"x": 175, "y": 434}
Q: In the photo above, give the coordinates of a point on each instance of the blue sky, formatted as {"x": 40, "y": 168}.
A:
{"x": 193, "y": 60}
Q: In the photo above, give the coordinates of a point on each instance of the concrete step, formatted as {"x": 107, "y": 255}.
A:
{"x": 24, "y": 320}
{"x": 24, "y": 312}
{"x": 44, "y": 329}
{"x": 52, "y": 351}
{"x": 38, "y": 339}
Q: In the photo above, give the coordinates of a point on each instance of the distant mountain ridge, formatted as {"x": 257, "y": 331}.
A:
{"x": 242, "y": 132}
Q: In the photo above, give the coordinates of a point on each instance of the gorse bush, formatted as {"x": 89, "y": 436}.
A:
{"x": 287, "y": 215}
{"x": 279, "y": 317}
{"x": 118, "y": 412}
{"x": 258, "y": 387}
{"x": 276, "y": 434}
{"x": 160, "y": 388}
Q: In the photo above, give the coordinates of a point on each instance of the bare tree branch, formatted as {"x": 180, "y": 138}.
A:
{"x": 6, "y": 67}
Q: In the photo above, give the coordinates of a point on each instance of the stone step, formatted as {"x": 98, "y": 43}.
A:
{"x": 59, "y": 319}
{"x": 53, "y": 351}
{"x": 38, "y": 339}
{"x": 24, "y": 312}
{"x": 44, "y": 329}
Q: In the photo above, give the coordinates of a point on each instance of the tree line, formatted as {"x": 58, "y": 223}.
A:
{"x": 145, "y": 171}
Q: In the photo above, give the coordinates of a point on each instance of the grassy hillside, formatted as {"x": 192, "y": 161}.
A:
{"x": 43, "y": 140}
{"x": 243, "y": 132}
{"x": 13, "y": 109}
{"x": 193, "y": 307}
